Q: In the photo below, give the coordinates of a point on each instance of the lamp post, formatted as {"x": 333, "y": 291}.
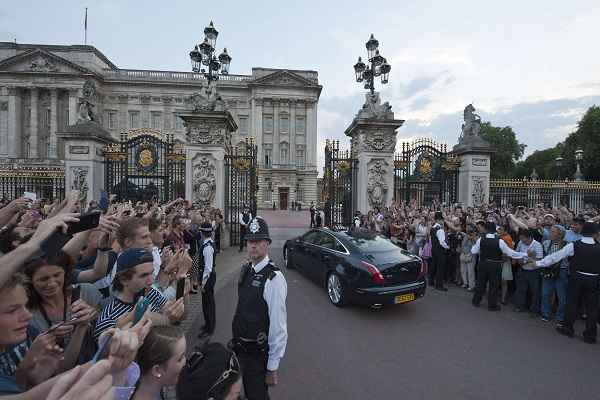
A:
{"x": 559, "y": 163}
{"x": 203, "y": 56}
{"x": 578, "y": 157}
{"x": 378, "y": 66}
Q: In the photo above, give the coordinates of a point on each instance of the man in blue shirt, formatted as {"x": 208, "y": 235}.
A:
{"x": 574, "y": 234}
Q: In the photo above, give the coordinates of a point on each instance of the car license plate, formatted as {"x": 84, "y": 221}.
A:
{"x": 404, "y": 298}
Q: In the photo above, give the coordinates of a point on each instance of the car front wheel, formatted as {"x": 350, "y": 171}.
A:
{"x": 336, "y": 290}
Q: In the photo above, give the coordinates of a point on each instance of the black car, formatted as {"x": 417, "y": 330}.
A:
{"x": 358, "y": 267}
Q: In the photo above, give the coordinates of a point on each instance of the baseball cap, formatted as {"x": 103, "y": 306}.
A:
{"x": 132, "y": 258}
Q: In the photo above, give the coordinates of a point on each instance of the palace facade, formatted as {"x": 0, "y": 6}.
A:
{"x": 41, "y": 86}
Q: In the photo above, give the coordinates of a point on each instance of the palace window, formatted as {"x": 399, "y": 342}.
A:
{"x": 299, "y": 191}
{"x": 155, "y": 120}
{"x": 167, "y": 122}
{"x": 243, "y": 125}
{"x": 283, "y": 154}
{"x": 134, "y": 119}
{"x": 178, "y": 123}
{"x": 300, "y": 125}
{"x": 268, "y": 158}
{"x": 268, "y": 190}
{"x": 112, "y": 120}
{"x": 300, "y": 159}
{"x": 267, "y": 123}
{"x": 46, "y": 118}
{"x": 284, "y": 124}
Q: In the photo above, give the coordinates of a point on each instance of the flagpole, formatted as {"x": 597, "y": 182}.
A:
{"x": 85, "y": 28}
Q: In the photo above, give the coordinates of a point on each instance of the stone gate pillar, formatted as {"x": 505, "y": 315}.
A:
{"x": 208, "y": 141}
{"x": 475, "y": 154}
{"x": 84, "y": 158}
{"x": 373, "y": 142}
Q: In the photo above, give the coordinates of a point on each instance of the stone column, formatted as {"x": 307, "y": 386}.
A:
{"x": 474, "y": 171}
{"x": 73, "y": 102}
{"x": 33, "y": 124}
{"x": 207, "y": 135}
{"x": 15, "y": 134}
{"x": 310, "y": 133}
{"x": 84, "y": 159}
{"x": 373, "y": 136}
{"x": 53, "y": 122}
{"x": 276, "y": 148}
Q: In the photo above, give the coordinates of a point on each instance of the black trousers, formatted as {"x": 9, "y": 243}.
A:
{"x": 528, "y": 279}
{"x": 439, "y": 268}
{"x": 587, "y": 288}
{"x": 242, "y": 237}
{"x": 208, "y": 303}
{"x": 312, "y": 219}
{"x": 254, "y": 371}
{"x": 489, "y": 273}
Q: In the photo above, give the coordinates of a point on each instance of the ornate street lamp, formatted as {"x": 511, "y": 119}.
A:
{"x": 578, "y": 157}
{"x": 378, "y": 66}
{"x": 559, "y": 164}
{"x": 203, "y": 55}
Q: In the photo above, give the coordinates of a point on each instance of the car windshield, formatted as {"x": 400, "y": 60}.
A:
{"x": 369, "y": 242}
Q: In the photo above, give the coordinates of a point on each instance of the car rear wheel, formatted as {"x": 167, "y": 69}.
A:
{"x": 286, "y": 259}
{"x": 336, "y": 290}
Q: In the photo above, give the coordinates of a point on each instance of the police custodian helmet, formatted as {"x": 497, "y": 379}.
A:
{"x": 258, "y": 230}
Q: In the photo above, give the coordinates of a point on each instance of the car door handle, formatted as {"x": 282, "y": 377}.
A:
{"x": 325, "y": 257}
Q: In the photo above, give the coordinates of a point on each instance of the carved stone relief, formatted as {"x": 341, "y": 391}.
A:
{"x": 79, "y": 181}
{"x": 377, "y": 187}
{"x": 207, "y": 133}
{"x": 42, "y": 64}
{"x": 377, "y": 141}
{"x": 204, "y": 182}
{"x": 480, "y": 187}
{"x": 373, "y": 109}
{"x": 479, "y": 162}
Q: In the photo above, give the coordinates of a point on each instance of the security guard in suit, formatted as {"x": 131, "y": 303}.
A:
{"x": 208, "y": 279}
{"x": 260, "y": 320}
{"x": 584, "y": 281}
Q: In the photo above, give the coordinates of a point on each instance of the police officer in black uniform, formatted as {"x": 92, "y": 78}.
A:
{"x": 245, "y": 217}
{"x": 208, "y": 278}
{"x": 490, "y": 249}
{"x": 584, "y": 281}
{"x": 260, "y": 320}
{"x": 439, "y": 248}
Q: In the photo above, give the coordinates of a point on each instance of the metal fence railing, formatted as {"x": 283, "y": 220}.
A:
{"x": 576, "y": 195}
{"x": 46, "y": 181}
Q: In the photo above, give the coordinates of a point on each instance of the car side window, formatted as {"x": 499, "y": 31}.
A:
{"x": 311, "y": 237}
{"x": 339, "y": 246}
{"x": 327, "y": 241}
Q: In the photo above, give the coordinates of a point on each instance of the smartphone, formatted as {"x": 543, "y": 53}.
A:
{"x": 55, "y": 327}
{"x": 86, "y": 221}
{"x": 140, "y": 309}
{"x": 54, "y": 243}
{"x": 103, "y": 348}
{"x": 180, "y": 288}
{"x": 30, "y": 195}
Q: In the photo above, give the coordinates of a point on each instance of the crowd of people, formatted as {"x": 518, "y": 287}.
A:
{"x": 538, "y": 259}
{"x": 92, "y": 296}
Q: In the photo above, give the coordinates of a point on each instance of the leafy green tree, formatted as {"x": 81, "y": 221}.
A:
{"x": 542, "y": 161}
{"x": 507, "y": 149}
{"x": 587, "y": 138}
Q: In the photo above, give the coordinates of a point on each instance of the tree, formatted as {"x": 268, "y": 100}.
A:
{"x": 542, "y": 161}
{"x": 507, "y": 150}
{"x": 587, "y": 138}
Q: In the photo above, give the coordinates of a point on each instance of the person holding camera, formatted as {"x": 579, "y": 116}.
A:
{"x": 556, "y": 277}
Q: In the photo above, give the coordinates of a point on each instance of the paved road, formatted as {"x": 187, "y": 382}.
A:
{"x": 439, "y": 347}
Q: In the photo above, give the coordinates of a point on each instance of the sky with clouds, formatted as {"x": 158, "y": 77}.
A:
{"x": 529, "y": 64}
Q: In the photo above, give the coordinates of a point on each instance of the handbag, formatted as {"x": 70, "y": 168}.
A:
{"x": 466, "y": 258}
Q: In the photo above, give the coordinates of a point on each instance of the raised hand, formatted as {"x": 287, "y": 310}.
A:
{"x": 48, "y": 226}
{"x": 95, "y": 384}
{"x": 174, "y": 310}
{"x": 82, "y": 312}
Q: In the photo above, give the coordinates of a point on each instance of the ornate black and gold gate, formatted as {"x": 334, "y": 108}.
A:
{"x": 145, "y": 165}
{"x": 426, "y": 172}
{"x": 241, "y": 184}
{"x": 338, "y": 184}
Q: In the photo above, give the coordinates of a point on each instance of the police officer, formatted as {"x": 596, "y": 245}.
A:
{"x": 245, "y": 217}
{"x": 490, "y": 250}
{"x": 208, "y": 278}
{"x": 439, "y": 247}
{"x": 260, "y": 320}
{"x": 584, "y": 281}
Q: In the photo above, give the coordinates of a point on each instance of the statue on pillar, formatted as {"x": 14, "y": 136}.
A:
{"x": 472, "y": 125}
{"x": 373, "y": 109}
{"x": 85, "y": 111}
